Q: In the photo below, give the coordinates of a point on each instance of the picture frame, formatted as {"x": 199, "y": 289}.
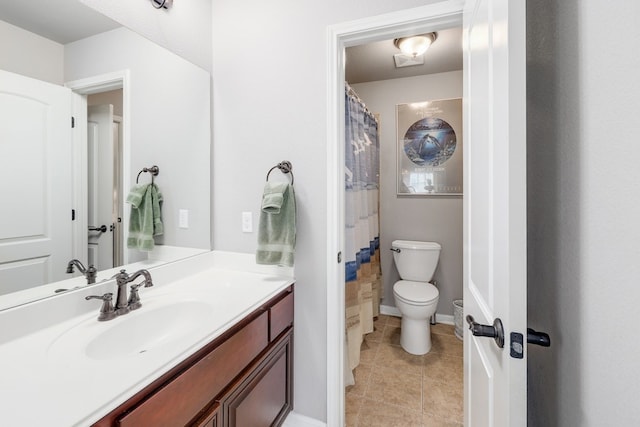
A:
{"x": 429, "y": 148}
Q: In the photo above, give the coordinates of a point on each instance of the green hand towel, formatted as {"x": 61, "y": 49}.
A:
{"x": 156, "y": 198}
{"x": 277, "y": 228}
{"x": 146, "y": 218}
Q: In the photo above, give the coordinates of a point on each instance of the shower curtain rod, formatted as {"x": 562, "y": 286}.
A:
{"x": 352, "y": 92}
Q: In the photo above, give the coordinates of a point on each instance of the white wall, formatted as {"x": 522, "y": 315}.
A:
{"x": 170, "y": 123}
{"x": 270, "y": 105}
{"x": 434, "y": 218}
{"x": 584, "y": 210}
{"x": 23, "y": 52}
{"x": 185, "y": 28}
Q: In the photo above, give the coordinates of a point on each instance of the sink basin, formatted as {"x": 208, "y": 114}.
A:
{"x": 146, "y": 330}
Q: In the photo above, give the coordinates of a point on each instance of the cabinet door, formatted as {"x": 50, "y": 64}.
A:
{"x": 264, "y": 397}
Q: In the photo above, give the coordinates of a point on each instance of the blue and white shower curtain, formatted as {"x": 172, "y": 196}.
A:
{"x": 362, "y": 237}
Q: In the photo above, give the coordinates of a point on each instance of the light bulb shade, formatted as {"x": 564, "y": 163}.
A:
{"x": 416, "y": 45}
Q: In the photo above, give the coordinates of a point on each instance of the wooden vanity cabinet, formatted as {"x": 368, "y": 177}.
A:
{"x": 243, "y": 378}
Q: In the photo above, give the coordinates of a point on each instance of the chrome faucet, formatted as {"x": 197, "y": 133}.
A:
{"x": 90, "y": 273}
{"x": 122, "y": 279}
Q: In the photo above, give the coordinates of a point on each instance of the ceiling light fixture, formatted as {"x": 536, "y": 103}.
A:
{"x": 415, "y": 45}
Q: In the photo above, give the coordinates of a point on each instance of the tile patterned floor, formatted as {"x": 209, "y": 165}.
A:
{"x": 396, "y": 389}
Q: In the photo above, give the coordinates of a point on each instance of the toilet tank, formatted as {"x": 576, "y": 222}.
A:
{"x": 415, "y": 260}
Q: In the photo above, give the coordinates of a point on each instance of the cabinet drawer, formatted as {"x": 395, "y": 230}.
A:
{"x": 177, "y": 402}
{"x": 280, "y": 316}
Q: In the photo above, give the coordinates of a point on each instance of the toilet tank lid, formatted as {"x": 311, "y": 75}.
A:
{"x": 413, "y": 244}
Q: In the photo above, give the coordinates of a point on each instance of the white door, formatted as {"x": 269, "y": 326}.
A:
{"x": 495, "y": 210}
{"x": 118, "y": 204}
{"x": 35, "y": 182}
{"x": 100, "y": 164}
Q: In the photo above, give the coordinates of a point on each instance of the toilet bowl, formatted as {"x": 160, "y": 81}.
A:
{"x": 415, "y": 297}
{"x": 417, "y": 302}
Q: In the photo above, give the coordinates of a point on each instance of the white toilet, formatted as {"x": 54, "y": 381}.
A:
{"x": 415, "y": 297}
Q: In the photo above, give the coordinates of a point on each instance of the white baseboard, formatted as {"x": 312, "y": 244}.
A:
{"x": 447, "y": 319}
{"x": 393, "y": 311}
{"x": 389, "y": 311}
{"x": 297, "y": 420}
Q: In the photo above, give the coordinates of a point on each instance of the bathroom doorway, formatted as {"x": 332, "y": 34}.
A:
{"x": 101, "y": 155}
{"x": 391, "y": 384}
{"x": 105, "y": 193}
{"x": 494, "y": 111}
{"x": 402, "y": 23}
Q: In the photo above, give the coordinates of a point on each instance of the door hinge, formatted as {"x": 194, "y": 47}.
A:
{"x": 73, "y": 122}
{"x": 339, "y": 257}
{"x": 73, "y": 214}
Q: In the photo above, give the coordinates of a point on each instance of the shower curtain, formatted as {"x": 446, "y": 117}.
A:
{"x": 362, "y": 238}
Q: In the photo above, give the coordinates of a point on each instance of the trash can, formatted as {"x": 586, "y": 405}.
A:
{"x": 457, "y": 318}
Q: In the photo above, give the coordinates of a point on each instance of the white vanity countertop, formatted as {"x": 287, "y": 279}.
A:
{"x": 48, "y": 377}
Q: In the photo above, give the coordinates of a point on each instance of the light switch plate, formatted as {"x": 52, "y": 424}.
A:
{"x": 183, "y": 218}
{"x": 247, "y": 222}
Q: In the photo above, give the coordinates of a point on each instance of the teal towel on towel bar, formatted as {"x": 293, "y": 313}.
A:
{"x": 146, "y": 217}
{"x": 277, "y": 228}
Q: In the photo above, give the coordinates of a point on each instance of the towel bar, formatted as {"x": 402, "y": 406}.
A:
{"x": 153, "y": 170}
{"x": 285, "y": 167}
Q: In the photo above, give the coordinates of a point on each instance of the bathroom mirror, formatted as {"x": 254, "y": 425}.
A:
{"x": 157, "y": 110}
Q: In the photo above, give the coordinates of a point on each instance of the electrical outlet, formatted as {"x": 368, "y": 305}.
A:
{"x": 183, "y": 218}
{"x": 247, "y": 222}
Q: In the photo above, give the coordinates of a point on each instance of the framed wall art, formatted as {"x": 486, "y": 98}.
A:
{"x": 429, "y": 148}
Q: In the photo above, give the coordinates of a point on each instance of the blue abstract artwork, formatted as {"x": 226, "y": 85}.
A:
{"x": 430, "y": 142}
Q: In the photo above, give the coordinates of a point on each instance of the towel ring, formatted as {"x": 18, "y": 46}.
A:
{"x": 153, "y": 170}
{"x": 285, "y": 167}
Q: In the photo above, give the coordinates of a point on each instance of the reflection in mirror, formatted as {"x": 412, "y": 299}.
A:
{"x": 134, "y": 105}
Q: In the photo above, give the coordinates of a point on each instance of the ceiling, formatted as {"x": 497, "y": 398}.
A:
{"x": 374, "y": 61}
{"x": 63, "y": 21}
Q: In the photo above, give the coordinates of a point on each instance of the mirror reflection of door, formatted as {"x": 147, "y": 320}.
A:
{"x": 35, "y": 168}
{"x": 104, "y": 188}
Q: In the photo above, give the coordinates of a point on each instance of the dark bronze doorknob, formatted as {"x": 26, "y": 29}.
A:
{"x": 538, "y": 338}
{"x": 495, "y": 331}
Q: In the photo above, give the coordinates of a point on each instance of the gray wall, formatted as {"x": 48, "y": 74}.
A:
{"x": 434, "y": 218}
{"x": 269, "y": 105}
{"x": 31, "y": 55}
{"x": 113, "y": 97}
{"x": 584, "y": 211}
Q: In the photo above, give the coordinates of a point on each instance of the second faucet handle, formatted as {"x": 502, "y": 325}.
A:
{"x": 134, "y": 297}
{"x": 107, "y": 312}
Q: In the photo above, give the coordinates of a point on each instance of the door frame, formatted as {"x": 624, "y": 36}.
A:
{"x": 423, "y": 19}
{"x": 82, "y": 88}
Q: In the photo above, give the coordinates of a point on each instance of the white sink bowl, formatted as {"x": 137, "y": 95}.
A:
{"x": 151, "y": 328}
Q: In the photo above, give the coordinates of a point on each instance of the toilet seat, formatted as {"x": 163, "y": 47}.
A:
{"x": 415, "y": 293}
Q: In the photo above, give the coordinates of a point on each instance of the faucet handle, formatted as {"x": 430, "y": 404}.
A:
{"x": 92, "y": 273}
{"x": 134, "y": 297}
{"x": 107, "y": 312}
